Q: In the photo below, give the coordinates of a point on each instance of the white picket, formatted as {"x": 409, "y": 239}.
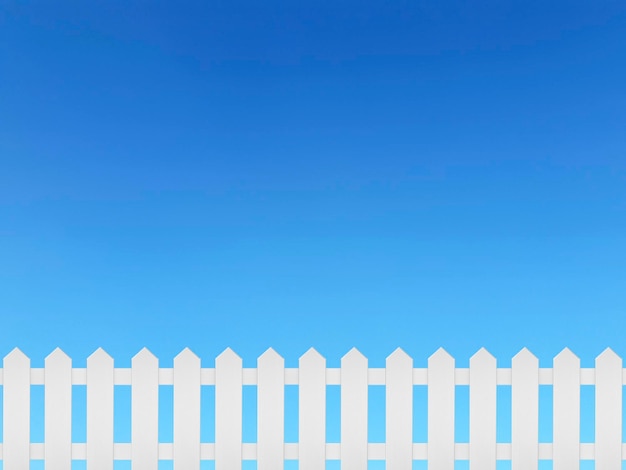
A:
{"x": 482, "y": 411}
{"x": 58, "y": 411}
{"x": 312, "y": 413}
{"x": 399, "y": 411}
{"x": 228, "y": 411}
{"x": 566, "y": 411}
{"x": 100, "y": 411}
{"x": 608, "y": 445}
{"x": 354, "y": 411}
{"x": 271, "y": 411}
{"x": 441, "y": 390}
{"x": 145, "y": 411}
{"x": 16, "y": 411}
{"x": 524, "y": 411}
{"x": 186, "y": 411}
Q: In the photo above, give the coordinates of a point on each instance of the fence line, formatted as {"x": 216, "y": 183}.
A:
{"x": 312, "y": 377}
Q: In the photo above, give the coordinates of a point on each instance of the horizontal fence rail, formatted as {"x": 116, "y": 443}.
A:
{"x": 312, "y": 377}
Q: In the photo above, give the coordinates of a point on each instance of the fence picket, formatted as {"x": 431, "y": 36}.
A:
{"x": 608, "y": 448}
{"x": 524, "y": 411}
{"x": 16, "y": 411}
{"x": 566, "y": 409}
{"x": 186, "y": 411}
{"x": 312, "y": 413}
{"x": 58, "y": 411}
{"x": 399, "y": 411}
{"x": 145, "y": 411}
{"x": 99, "y": 411}
{"x": 482, "y": 411}
{"x": 271, "y": 411}
{"x": 228, "y": 411}
{"x": 441, "y": 411}
{"x": 354, "y": 411}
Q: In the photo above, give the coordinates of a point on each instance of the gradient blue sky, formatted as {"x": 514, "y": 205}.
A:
{"x": 328, "y": 174}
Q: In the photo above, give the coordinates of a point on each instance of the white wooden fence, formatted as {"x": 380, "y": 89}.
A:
{"x": 312, "y": 376}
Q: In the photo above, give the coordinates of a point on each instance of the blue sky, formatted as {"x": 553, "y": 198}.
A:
{"x": 369, "y": 174}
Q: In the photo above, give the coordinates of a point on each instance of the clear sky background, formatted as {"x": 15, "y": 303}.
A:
{"x": 330, "y": 174}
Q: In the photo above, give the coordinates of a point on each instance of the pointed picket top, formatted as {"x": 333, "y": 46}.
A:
{"x": 482, "y": 356}
{"x": 144, "y": 357}
{"x": 270, "y": 357}
{"x": 311, "y": 357}
{"x": 99, "y": 356}
{"x": 441, "y": 356}
{"x": 58, "y": 356}
{"x": 608, "y": 356}
{"x": 566, "y": 358}
{"x": 525, "y": 356}
{"x": 399, "y": 357}
{"x": 186, "y": 356}
{"x": 355, "y": 357}
{"x": 17, "y": 357}
{"x": 228, "y": 357}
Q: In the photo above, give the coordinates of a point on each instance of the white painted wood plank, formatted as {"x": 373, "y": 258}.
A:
{"x": 482, "y": 411}
{"x": 16, "y": 411}
{"x": 100, "y": 411}
{"x": 145, "y": 411}
{"x": 566, "y": 411}
{"x": 270, "y": 411}
{"x": 525, "y": 411}
{"x": 354, "y": 395}
{"x": 441, "y": 411}
{"x": 608, "y": 411}
{"x": 228, "y": 411}
{"x": 399, "y": 411}
{"x": 186, "y": 411}
{"x": 58, "y": 411}
{"x": 312, "y": 404}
